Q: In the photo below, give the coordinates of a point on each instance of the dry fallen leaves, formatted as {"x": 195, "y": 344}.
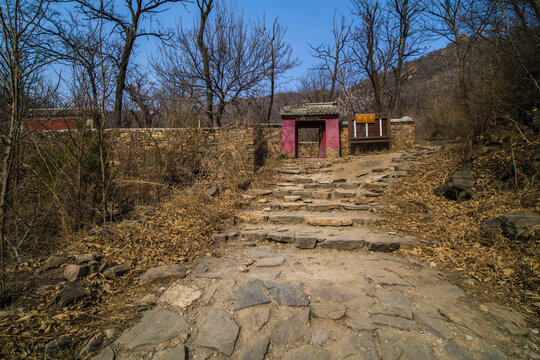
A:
{"x": 506, "y": 267}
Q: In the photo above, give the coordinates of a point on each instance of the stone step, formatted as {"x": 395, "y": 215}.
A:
{"x": 306, "y": 237}
{"x": 311, "y": 205}
{"x": 258, "y": 192}
{"x": 300, "y": 217}
{"x": 289, "y": 171}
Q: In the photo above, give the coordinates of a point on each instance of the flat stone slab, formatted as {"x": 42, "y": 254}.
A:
{"x": 320, "y": 337}
{"x": 286, "y": 219}
{"x": 329, "y": 221}
{"x": 398, "y": 303}
{"x": 156, "y": 327}
{"x": 356, "y": 346}
{"x": 299, "y": 180}
{"x": 289, "y": 171}
{"x": 264, "y": 274}
{"x": 219, "y": 332}
{"x": 359, "y": 321}
{"x": 252, "y": 319}
{"x": 178, "y": 353}
{"x": 344, "y": 194}
{"x": 163, "y": 272}
{"x": 270, "y": 262}
{"x": 287, "y": 293}
{"x": 307, "y": 241}
{"x": 281, "y": 237}
{"x": 260, "y": 253}
{"x": 383, "y": 246}
{"x": 393, "y": 321}
{"x": 256, "y": 348}
{"x": 434, "y": 325}
{"x": 442, "y": 291}
{"x": 328, "y": 311}
{"x": 354, "y": 207}
{"x": 250, "y": 294}
{"x": 335, "y": 293}
{"x": 322, "y": 206}
{"x": 291, "y": 330}
{"x": 251, "y": 217}
{"x": 180, "y": 296}
{"x": 307, "y": 352}
{"x": 387, "y": 278}
{"x": 292, "y": 198}
{"x": 405, "y": 346}
{"x": 259, "y": 192}
{"x": 455, "y": 352}
{"x": 343, "y": 243}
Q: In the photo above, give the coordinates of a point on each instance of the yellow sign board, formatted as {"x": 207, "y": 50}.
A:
{"x": 365, "y": 118}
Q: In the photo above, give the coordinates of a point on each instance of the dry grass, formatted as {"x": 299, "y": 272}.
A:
{"x": 505, "y": 269}
{"x": 177, "y": 231}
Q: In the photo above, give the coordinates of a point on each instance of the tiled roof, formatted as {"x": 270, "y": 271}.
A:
{"x": 308, "y": 109}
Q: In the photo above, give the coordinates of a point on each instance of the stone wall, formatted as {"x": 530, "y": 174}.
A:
{"x": 183, "y": 155}
{"x": 215, "y": 152}
{"x": 402, "y": 136}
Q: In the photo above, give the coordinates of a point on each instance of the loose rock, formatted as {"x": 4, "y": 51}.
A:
{"x": 69, "y": 294}
{"x": 75, "y": 272}
{"x": 163, "y": 272}
{"x": 116, "y": 271}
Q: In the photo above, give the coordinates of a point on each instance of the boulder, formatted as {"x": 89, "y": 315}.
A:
{"x": 75, "y": 272}
{"x": 53, "y": 262}
{"x": 158, "y": 273}
{"x": 69, "y": 294}
{"x": 58, "y": 344}
{"x": 515, "y": 225}
{"x": 116, "y": 271}
{"x": 460, "y": 183}
{"x": 84, "y": 258}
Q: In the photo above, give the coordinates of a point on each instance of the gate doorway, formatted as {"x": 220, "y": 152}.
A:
{"x": 311, "y": 139}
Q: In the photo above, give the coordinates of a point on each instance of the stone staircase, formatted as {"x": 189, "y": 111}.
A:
{"x": 314, "y": 203}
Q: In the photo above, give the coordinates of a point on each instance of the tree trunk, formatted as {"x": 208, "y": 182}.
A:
{"x": 11, "y": 143}
{"x": 205, "y": 11}
{"x": 272, "y": 85}
{"x": 122, "y": 73}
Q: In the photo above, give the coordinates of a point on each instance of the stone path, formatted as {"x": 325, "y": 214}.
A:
{"x": 303, "y": 276}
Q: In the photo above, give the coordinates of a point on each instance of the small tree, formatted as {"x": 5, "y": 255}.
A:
{"x": 128, "y": 23}
{"x": 237, "y": 60}
{"x": 281, "y": 59}
{"x": 333, "y": 56}
{"x": 25, "y": 53}
{"x": 372, "y": 47}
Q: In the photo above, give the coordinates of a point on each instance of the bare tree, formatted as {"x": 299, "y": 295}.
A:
{"x": 372, "y": 48}
{"x": 281, "y": 59}
{"x": 407, "y": 38}
{"x": 238, "y": 61}
{"x": 87, "y": 51}
{"x": 23, "y": 57}
{"x": 461, "y": 22}
{"x": 333, "y": 56}
{"x": 128, "y": 23}
{"x": 205, "y": 7}
{"x": 314, "y": 86}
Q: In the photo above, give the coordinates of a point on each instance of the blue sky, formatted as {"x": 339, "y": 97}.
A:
{"x": 306, "y": 22}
